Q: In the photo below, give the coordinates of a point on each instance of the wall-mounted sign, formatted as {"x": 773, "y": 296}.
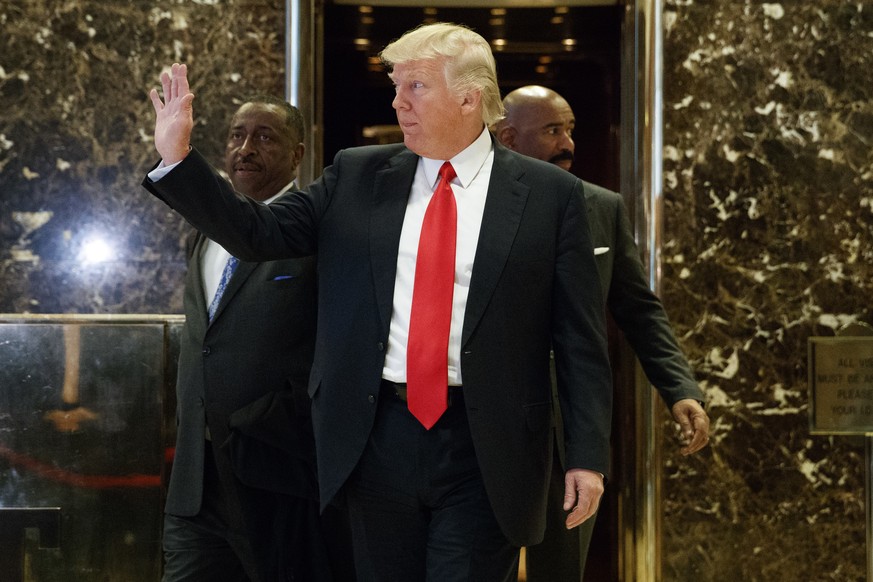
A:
{"x": 841, "y": 385}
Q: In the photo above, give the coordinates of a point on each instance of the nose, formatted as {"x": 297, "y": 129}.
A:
{"x": 247, "y": 146}
{"x": 399, "y": 101}
{"x": 567, "y": 140}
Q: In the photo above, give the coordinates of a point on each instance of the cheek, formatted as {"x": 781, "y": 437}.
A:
{"x": 540, "y": 149}
{"x": 549, "y": 143}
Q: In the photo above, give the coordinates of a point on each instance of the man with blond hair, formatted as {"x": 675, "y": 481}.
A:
{"x": 448, "y": 268}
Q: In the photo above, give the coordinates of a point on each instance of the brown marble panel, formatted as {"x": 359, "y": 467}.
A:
{"x": 767, "y": 241}
{"x": 77, "y": 232}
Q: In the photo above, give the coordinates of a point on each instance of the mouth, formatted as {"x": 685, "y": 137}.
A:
{"x": 406, "y": 125}
{"x": 244, "y": 169}
{"x": 565, "y": 158}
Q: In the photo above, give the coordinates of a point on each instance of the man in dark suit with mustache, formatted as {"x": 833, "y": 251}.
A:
{"x": 539, "y": 123}
{"x": 242, "y": 498}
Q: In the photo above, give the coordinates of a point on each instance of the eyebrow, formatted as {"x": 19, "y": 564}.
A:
{"x": 258, "y": 128}
{"x": 420, "y": 72}
{"x": 552, "y": 124}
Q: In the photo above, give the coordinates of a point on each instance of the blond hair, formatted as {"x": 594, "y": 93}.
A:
{"x": 469, "y": 63}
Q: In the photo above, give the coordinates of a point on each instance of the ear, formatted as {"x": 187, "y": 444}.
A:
{"x": 506, "y": 135}
{"x": 471, "y": 102}
{"x": 297, "y": 153}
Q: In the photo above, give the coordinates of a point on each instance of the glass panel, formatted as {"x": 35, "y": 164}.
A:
{"x": 81, "y": 430}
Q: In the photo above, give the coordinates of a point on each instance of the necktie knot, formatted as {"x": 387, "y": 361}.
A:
{"x": 447, "y": 173}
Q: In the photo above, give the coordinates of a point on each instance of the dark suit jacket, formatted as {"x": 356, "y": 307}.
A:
{"x": 246, "y": 375}
{"x": 636, "y": 310}
{"x": 534, "y": 284}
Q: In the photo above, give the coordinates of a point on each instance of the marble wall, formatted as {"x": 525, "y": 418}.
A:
{"x": 767, "y": 241}
{"x": 77, "y": 232}
{"x": 767, "y": 227}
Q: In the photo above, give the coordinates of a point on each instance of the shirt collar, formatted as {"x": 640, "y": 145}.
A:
{"x": 288, "y": 186}
{"x": 466, "y": 164}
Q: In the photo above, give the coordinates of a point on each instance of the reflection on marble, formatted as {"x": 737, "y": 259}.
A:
{"x": 80, "y": 432}
{"x": 767, "y": 241}
{"x": 77, "y": 232}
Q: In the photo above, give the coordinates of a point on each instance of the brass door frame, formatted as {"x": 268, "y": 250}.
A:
{"x": 303, "y": 78}
{"x": 639, "y": 516}
{"x": 642, "y": 188}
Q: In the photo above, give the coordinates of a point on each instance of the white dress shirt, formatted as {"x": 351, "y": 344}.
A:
{"x": 473, "y": 168}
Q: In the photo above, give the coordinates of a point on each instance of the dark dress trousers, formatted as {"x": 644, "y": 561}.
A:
{"x": 639, "y": 314}
{"x": 534, "y": 285}
{"x": 244, "y": 375}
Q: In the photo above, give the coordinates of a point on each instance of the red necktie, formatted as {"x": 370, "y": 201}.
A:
{"x": 427, "y": 351}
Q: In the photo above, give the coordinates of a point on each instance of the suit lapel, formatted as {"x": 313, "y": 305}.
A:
{"x": 390, "y": 196}
{"x": 504, "y": 207}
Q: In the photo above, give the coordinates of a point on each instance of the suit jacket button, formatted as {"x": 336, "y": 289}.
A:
{"x": 371, "y": 399}
{"x": 206, "y": 351}
{"x": 381, "y": 346}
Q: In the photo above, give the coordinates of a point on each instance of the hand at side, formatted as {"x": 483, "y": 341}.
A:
{"x": 694, "y": 424}
{"x": 582, "y": 491}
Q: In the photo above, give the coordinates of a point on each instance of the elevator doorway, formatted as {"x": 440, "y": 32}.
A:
{"x": 575, "y": 50}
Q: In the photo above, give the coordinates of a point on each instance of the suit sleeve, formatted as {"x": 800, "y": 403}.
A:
{"x": 247, "y": 229}
{"x": 640, "y": 315}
